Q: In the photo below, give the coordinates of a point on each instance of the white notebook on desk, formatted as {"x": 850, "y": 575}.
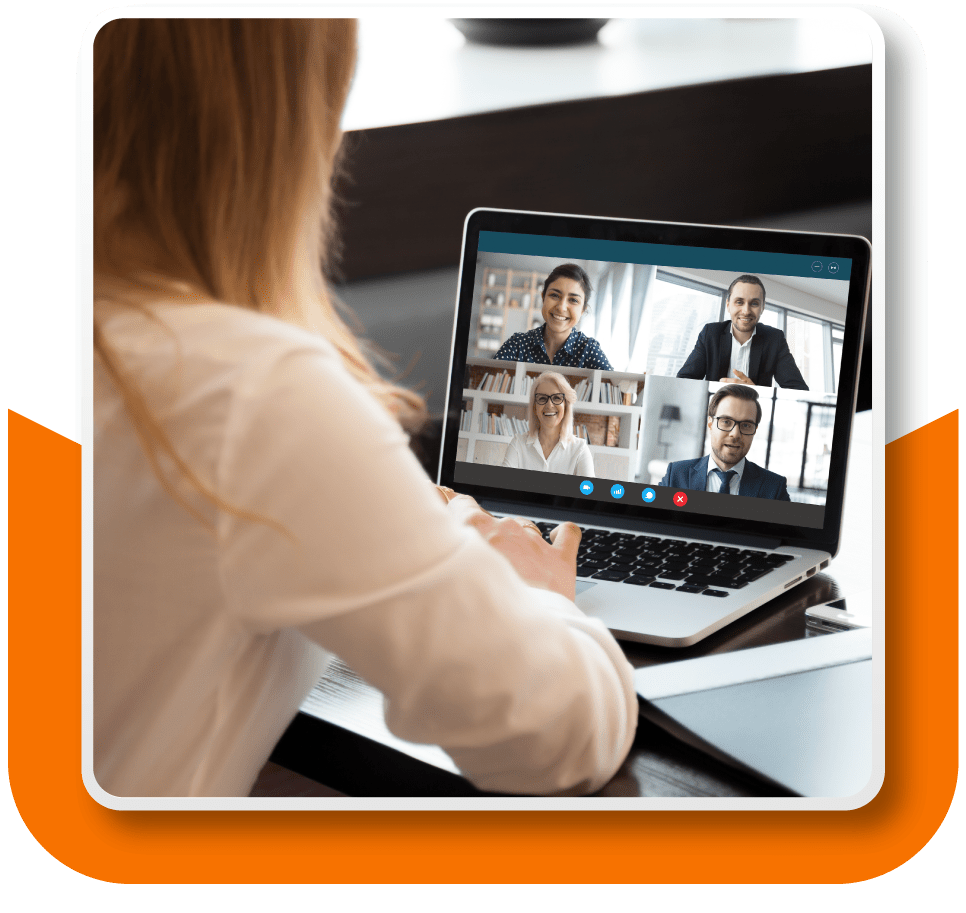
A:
{"x": 798, "y": 713}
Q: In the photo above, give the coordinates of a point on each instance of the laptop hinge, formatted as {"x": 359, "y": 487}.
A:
{"x": 749, "y": 540}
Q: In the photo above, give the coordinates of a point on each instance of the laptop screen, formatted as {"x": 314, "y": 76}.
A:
{"x": 635, "y": 376}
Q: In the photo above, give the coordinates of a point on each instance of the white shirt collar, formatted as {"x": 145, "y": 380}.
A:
{"x": 534, "y": 441}
{"x": 738, "y": 468}
{"x": 747, "y": 341}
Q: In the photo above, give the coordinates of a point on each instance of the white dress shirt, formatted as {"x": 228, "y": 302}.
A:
{"x": 741, "y": 354}
{"x": 573, "y": 458}
{"x": 207, "y": 639}
{"x": 714, "y": 480}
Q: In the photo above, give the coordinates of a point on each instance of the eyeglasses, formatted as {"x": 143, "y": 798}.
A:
{"x": 726, "y": 424}
{"x": 556, "y": 399}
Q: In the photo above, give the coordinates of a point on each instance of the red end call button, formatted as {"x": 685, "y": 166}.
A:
{"x": 680, "y": 499}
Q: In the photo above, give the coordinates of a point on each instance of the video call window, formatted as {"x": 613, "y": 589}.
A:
{"x": 793, "y": 439}
{"x": 682, "y": 306}
{"x": 796, "y": 432}
{"x": 672, "y": 336}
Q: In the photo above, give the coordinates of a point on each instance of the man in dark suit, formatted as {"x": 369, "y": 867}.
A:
{"x": 734, "y": 414}
{"x": 740, "y": 349}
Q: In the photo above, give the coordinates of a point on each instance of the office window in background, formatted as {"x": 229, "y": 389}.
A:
{"x": 798, "y": 444}
{"x": 806, "y": 339}
{"x": 816, "y": 345}
{"x": 818, "y": 446}
{"x": 679, "y": 309}
{"x": 838, "y": 335}
{"x": 773, "y": 317}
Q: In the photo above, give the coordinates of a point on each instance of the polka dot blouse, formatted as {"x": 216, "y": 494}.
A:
{"x": 579, "y": 351}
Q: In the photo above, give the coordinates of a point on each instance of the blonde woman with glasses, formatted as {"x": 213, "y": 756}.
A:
{"x": 256, "y": 507}
{"x": 550, "y": 445}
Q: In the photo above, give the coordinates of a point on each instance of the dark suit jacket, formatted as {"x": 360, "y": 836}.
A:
{"x": 755, "y": 481}
{"x": 770, "y": 358}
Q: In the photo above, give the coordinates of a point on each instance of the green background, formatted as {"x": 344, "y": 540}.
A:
{"x": 38, "y": 66}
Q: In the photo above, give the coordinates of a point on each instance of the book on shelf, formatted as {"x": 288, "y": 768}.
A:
{"x": 523, "y": 387}
{"x": 491, "y": 382}
{"x": 612, "y": 394}
{"x": 510, "y": 425}
{"x": 583, "y": 391}
{"x": 494, "y": 383}
{"x": 502, "y": 425}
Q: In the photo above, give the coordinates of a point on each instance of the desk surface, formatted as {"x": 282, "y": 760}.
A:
{"x": 363, "y": 758}
{"x": 415, "y": 67}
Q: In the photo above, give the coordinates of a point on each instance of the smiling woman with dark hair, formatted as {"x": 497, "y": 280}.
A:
{"x": 558, "y": 342}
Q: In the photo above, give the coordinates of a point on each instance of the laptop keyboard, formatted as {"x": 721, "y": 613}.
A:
{"x": 669, "y": 564}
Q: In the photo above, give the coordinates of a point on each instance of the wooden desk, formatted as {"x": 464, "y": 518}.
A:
{"x": 339, "y": 738}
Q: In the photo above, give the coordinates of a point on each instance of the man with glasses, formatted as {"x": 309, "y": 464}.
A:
{"x": 741, "y": 349}
{"x": 734, "y": 414}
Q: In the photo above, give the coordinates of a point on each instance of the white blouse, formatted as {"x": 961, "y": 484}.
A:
{"x": 572, "y": 459}
{"x": 206, "y": 641}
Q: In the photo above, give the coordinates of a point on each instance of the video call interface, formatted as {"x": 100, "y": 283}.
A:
{"x": 705, "y": 382}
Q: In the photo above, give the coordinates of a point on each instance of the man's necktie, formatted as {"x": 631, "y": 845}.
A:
{"x": 725, "y": 478}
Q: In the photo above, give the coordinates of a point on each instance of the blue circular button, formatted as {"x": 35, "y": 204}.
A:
{"x": 648, "y": 495}
{"x": 617, "y": 491}
{"x": 586, "y": 487}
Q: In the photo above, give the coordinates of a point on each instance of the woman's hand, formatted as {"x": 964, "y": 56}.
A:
{"x": 549, "y": 567}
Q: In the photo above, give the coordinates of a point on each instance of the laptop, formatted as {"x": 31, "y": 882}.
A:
{"x": 702, "y": 490}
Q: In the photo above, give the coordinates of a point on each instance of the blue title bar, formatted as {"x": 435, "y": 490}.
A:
{"x": 738, "y": 261}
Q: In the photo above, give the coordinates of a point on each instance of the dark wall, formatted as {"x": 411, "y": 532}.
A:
{"x": 726, "y": 153}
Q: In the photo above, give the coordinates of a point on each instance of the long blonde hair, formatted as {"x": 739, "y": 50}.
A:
{"x": 570, "y": 397}
{"x": 215, "y": 146}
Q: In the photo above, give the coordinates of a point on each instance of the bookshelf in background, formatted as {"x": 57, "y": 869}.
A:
{"x": 509, "y": 303}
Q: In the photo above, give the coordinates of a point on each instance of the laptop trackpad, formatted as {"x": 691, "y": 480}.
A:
{"x": 583, "y": 586}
